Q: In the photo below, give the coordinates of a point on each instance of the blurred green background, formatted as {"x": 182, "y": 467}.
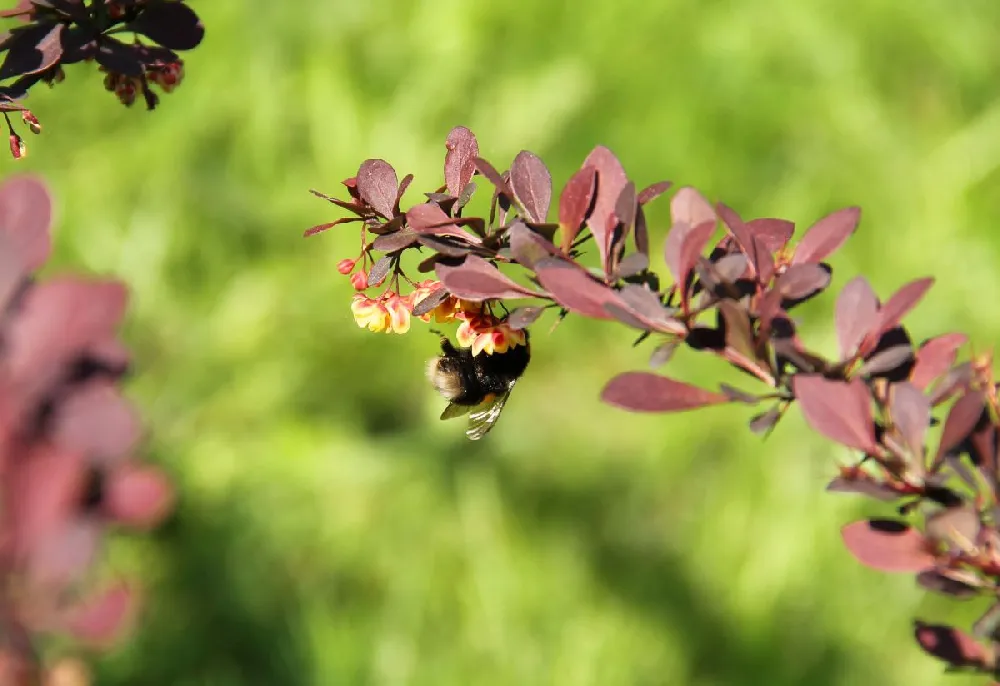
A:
{"x": 330, "y": 529}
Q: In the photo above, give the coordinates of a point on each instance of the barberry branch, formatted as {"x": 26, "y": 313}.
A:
{"x": 730, "y": 295}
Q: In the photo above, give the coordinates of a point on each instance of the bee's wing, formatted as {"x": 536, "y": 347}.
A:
{"x": 454, "y": 410}
{"x": 483, "y": 417}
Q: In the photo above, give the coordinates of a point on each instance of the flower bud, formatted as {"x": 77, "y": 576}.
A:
{"x": 346, "y": 266}
{"x": 17, "y": 148}
{"x": 359, "y": 280}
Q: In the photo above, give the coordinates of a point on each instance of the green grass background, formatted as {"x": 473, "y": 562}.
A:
{"x": 330, "y": 530}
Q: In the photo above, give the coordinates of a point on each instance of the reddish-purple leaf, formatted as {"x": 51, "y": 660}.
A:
{"x": 824, "y": 237}
{"x": 137, "y": 496}
{"x": 532, "y": 184}
{"x": 901, "y": 302}
{"x": 523, "y": 317}
{"x": 732, "y": 267}
{"x": 626, "y": 205}
{"x": 739, "y": 230}
{"x": 839, "y": 410}
{"x": 857, "y": 313}
{"x": 935, "y": 357}
{"x": 692, "y": 243}
{"x": 173, "y": 25}
{"x": 774, "y": 233}
{"x": 574, "y": 204}
{"x": 951, "y": 645}
{"x": 26, "y": 218}
{"x": 762, "y": 261}
{"x": 459, "y": 162}
{"x": 527, "y": 246}
{"x": 647, "y": 305}
{"x": 428, "y": 302}
{"x": 632, "y": 264}
{"x": 403, "y": 185}
{"x": 800, "y": 280}
{"x": 380, "y": 270}
{"x": 32, "y": 49}
{"x": 765, "y": 421}
{"x": 611, "y": 179}
{"x": 886, "y": 360}
{"x": 494, "y": 177}
{"x": 646, "y": 392}
{"x": 663, "y": 352}
{"x": 911, "y": 414}
{"x": 428, "y": 218}
{"x": 653, "y": 191}
{"x": 641, "y": 232}
{"x": 395, "y": 241}
{"x": 961, "y": 420}
{"x": 117, "y": 57}
{"x": 689, "y": 207}
{"x": 64, "y": 556}
{"x": 101, "y": 619}
{"x": 887, "y": 545}
{"x": 377, "y": 186}
{"x": 477, "y": 279}
{"x": 96, "y": 421}
{"x": 954, "y": 583}
{"x": 956, "y": 527}
{"x": 575, "y": 289}
{"x": 863, "y": 487}
{"x": 45, "y": 489}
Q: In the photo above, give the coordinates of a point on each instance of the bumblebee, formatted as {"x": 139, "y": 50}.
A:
{"x": 477, "y": 385}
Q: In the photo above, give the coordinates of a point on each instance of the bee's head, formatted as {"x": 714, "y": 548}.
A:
{"x": 445, "y": 377}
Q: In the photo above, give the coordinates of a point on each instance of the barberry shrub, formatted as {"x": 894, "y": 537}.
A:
{"x": 734, "y": 284}
{"x": 67, "y": 436}
{"x": 134, "y": 42}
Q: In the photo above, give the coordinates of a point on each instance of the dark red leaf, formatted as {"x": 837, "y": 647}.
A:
{"x": 118, "y": 57}
{"x": 774, "y": 233}
{"x": 403, "y": 185}
{"x": 910, "y": 411}
{"x": 523, "y": 317}
{"x": 377, "y": 186}
{"x": 663, "y": 352}
{"x": 575, "y": 289}
{"x": 641, "y": 232}
{"x": 739, "y": 230}
{"x": 437, "y": 295}
{"x": 857, "y": 314}
{"x": 527, "y": 247}
{"x": 647, "y": 305}
{"x": 901, "y": 302}
{"x": 887, "y": 360}
{"x": 839, "y": 410}
{"x": 961, "y": 420}
{"x": 477, "y": 279}
{"x": 532, "y": 184}
{"x": 951, "y": 645}
{"x": 428, "y": 218}
{"x": 611, "y": 179}
{"x": 732, "y": 267}
{"x": 801, "y": 280}
{"x": 887, "y": 545}
{"x": 689, "y": 242}
{"x": 26, "y": 217}
{"x": 956, "y": 527}
{"x": 689, "y": 207}
{"x": 935, "y": 357}
{"x": 765, "y": 421}
{"x": 574, "y": 204}
{"x": 173, "y": 25}
{"x": 863, "y": 487}
{"x": 761, "y": 260}
{"x": 32, "y": 49}
{"x": 137, "y": 496}
{"x": 626, "y": 205}
{"x": 950, "y": 582}
{"x": 653, "y": 191}
{"x": 459, "y": 162}
{"x": 738, "y": 396}
{"x": 396, "y": 241}
{"x": 824, "y": 237}
{"x": 494, "y": 177}
{"x": 632, "y": 264}
{"x": 380, "y": 270}
{"x": 646, "y": 392}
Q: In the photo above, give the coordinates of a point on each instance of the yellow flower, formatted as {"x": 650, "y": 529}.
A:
{"x": 369, "y": 313}
{"x": 486, "y": 334}
{"x": 399, "y": 314}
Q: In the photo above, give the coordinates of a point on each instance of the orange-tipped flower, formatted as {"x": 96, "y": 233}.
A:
{"x": 345, "y": 267}
{"x": 369, "y": 313}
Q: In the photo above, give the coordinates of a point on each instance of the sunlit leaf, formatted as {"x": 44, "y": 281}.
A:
{"x": 429, "y": 218}
{"x": 774, "y": 233}
{"x": 689, "y": 207}
{"x": 857, "y": 313}
{"x": 574, "y": 204}
{"x": 575, "y": 289}
{"x": 647, "y": 392}
{"x": 887, "y": 545}
{"x": 824, "y": 237}
{"x": 380, "y": 270}
{"x": 901, "y": 302}
{"x": 802, "y": 280}
{"x": 653, "y": 191}
{"x": 611, "y": 179}
{"x": 477, "y": 279}
{"x": 102, "y": 618}
{"x": 961, "y": 421}
{"x": 459, "y": 161}
{"x": 532, "y": 184}
{"x": 377, "y": 185}
{"x": 935, "y": 357}
{"x": 523, "y": 317}
{"x": 839, "y": 410}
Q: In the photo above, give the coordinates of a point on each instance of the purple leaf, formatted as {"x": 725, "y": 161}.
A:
{"x": 774, "y": 233}
{"x": 887, "y": 545}
{"x": 839, "y": 410}
{"x": 935, "y": 357}
{"x": 886, "y": 361}
{"x": 632, "y": 264}
{"x": 911, "y": 414}
{"x": 689, "y": 207}
{"x": 118, "y": 57}
{"x": 646, "y": 392}
{"x": 395, "y": 241}
{"x": 626, "y": 206}
{"x": 428, "y": 218}
{"x": 693, "y": 243}
{"x": 527, "y": 247}
{"x": 739, "y": 231}
{"x": 380, "y": 270}
{"x": 173, "y": 25}
{"x": 862, "y": 486}
{"x": 403, "y": 185}
{"x": 532, "y": 184}
{"x": 857, "y": 313}
{"x": 611, "y": 179}
{"x": 32, "y": 49}
{"x": 950, "y": 582}
{"x": 494, "y": 177}
{"x": 765, "y": 421}
{"x": 523, "y": 317}
{"x": 732, "y": 267}
{"x": 575, "y": 289}
{"x": 663, "y": 352}
{"x": 477, "y": 279}
{"x": 653, "y": 191}
{"x": 961, "y": 420}
{"x": 824, "y": 237}
{"x": 377, "y": 186}
{"x": 435, "y": 297}
{"x": 901, "y": 302}
{"x": 801, "y": 280}
{"x": 459, "y": 162}
{"x": 951, "y": 645}
{"x": 574, "y": 204}
{"x": 26, "y": 218}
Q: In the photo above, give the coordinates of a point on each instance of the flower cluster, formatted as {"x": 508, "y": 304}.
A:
{"x": 880, "y": 396}
{"x": 55, "y": 33}
{"x": 66, "y": 442}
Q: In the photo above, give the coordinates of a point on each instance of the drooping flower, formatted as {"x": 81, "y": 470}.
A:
{"x": 359, "y": 280}
{"x": 399, "y": 314}
{"x": 369, "y": 313}
{"x": 484, "y": 333}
